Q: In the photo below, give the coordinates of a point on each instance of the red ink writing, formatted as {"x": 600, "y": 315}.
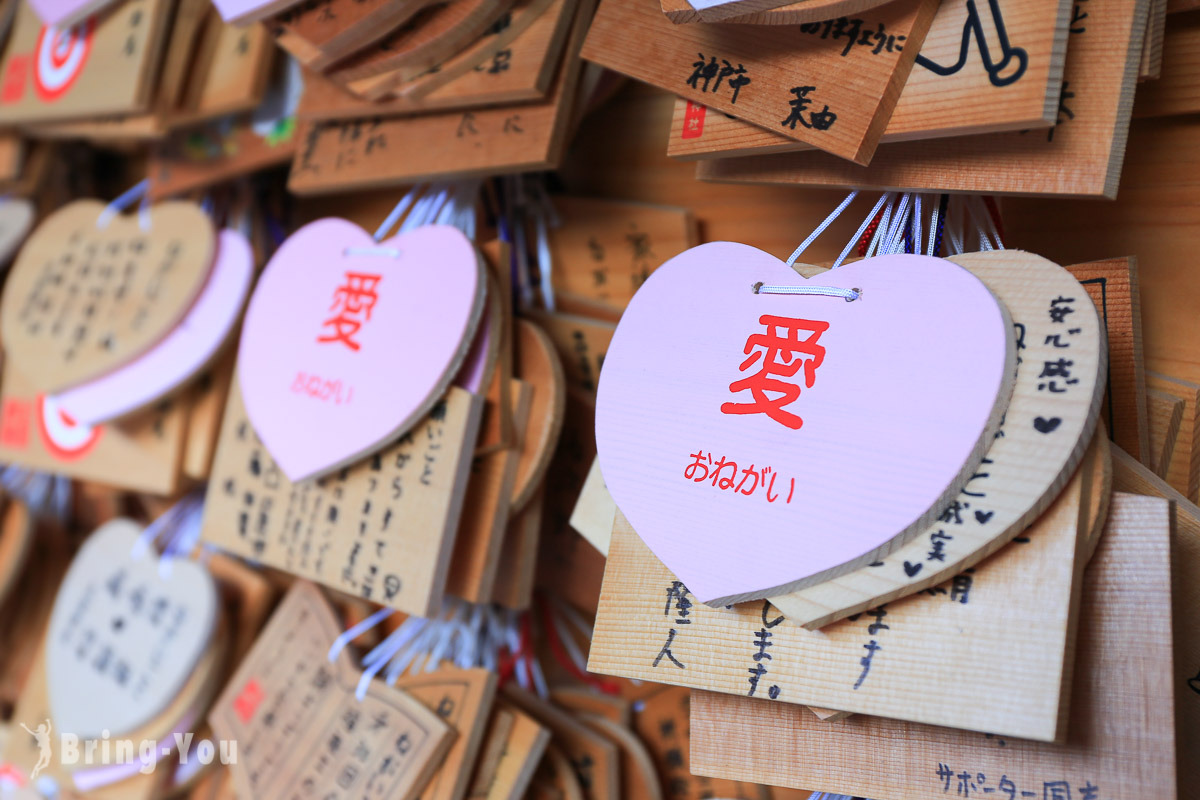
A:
{"x": 322, "y": 388}
{"x": 352, "y": 302}
{"x": 724, "y": 475}
{"x": 779, "y": 354}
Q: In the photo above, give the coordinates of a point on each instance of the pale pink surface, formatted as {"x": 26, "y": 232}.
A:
{"x": 189, "y": 346}
{"x": 417, "y": 326}
{"x": 235, "y": 10}
{"x": 54, "y": 12}
{"x": 911, "y": 375}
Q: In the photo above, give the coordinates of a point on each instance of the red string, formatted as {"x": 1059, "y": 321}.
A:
{"x": 506, "y": 667}
{"x": 561, "y": 655}
{"x": 869, "y": 233}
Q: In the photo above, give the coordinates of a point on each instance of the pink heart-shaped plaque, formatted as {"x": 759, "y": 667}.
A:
{"x": 759, "y": 443}
{"x": 347, "y": 342}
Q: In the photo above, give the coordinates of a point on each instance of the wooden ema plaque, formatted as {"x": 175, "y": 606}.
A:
{"x": 581, "y": 344}
{"x": 1080, "y": 157}
{"x": 1151, "y": 217}
{"x": 591, "y": 757}
{"x": 124, "y": 637}
{"x": 594, "y": 512}
{"x": 518, "y": 556}
{"x": 837, "y": 666}
{"x": 984, "y": 67}
{"x": 140, "y": 454}
{"x": 1164, "y": 417}
{"x": 662, "y": 723}
{"x": 382, "y": 529}
{"x": 178, "y": 53}
{"x": 514, "y": 747}
{"x": 1150, "y": 67}
{"x": 1182, "y": 471}
{"x": 475, "y": 563}
{"x": 101, "y": 66}
{"x": 521, "y": 73}
{"x": 1113, "y": 287}
{"x": 1175, "y": 90}
{"x": 485, "y": 53}
{"x": 462, "y": 698}
{"x": 1120, "y": 741}
{"x": 1047, "y": 425}
{"x": 432, "y": 35}
{"x": 86, "y": 297}
{"x": 300, "y": 727}
{"x": 237, "y": 69}
{"x": 319, "y": 34}
{"x": 536, "y": 362}
{"x": 869, "y": 663}
{"x": 1130, "y": 476}
{"x": 603, "y": 250}
{"x": 835, "y": 97}
{"x": 362, "y": 153}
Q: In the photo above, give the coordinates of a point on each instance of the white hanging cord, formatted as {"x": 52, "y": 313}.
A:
{"x": 122, "y": 202}
{"x": 539, "y": 679}
{"x": 165, "y": 522}
{"x": 144, "y": 213}
{"x": 861, "y": 230}
{"x": 376, "y": 661}
{"x": 520, "y": 249}
{"x": 568, "y": 640}
{"x": 416, "y": 646}
{"x": 934, "y": 214}
{"x": 812, "y": 237}
{"x": 439, "y": 201}
{"x": 973, "y": 205}
{"x": 61, "y": 504}
{"x": 400, "y": 209}
{"x": 849, "y": 295}
{"x": 884, "y": 223}
{"x": 356, "y": 630}
{"x": 182, "y": 541}
{"x": 916, "y": 227}
{"x": 45, "y": 495}
{"x": 953, "y": 225}
{"x": 985, "y": 225}
{"x": 893, "y": 242}
{"x": 450, "y": 210}
{"x": 545, "y": 218}
{"x": 544, "y": 261}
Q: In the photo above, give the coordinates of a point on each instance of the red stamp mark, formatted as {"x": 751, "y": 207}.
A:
{"x": 693, "y": 120}
{"x": 248, "y": 700}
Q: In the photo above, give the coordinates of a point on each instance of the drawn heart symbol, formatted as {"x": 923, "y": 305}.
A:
{"x": 763, "y": 442}
{"x": 182, "y": 353}
{"x": 347, "y": 342}
{"x": 1043, "y": 425}
{"x": 122, "y": 640}
{"x": 911, "y": 569}
{"x": 86, "y": 297}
